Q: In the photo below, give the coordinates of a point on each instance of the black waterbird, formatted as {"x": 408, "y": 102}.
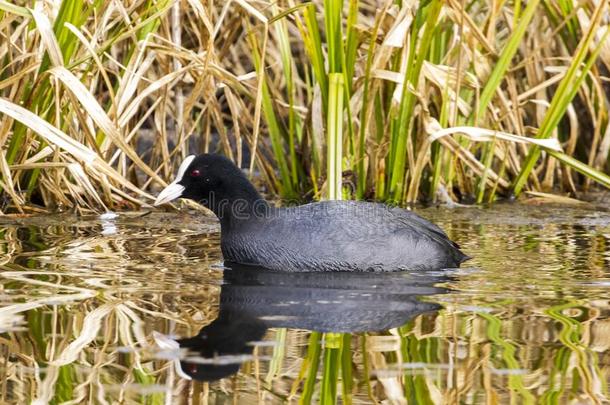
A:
{"x": 322, "y": 236}
{"x": 253, "y": 301}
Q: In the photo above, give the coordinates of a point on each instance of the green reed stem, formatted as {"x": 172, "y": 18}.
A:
{"x": 330, "y": 370}
{"x": 415, "y": 62}
{"x": 314, "y": 349}
{"x": 334, "y": 137}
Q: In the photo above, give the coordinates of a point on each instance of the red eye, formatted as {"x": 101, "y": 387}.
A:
{"x": 195, "y": 173}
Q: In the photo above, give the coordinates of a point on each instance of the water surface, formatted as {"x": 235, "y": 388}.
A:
{"x": 91, "y": 311}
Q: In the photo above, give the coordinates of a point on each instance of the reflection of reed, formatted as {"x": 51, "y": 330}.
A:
{"x": 525, "y": 350}
{"x": 87, "y": 327}
{"x": 536, "y": 332}
{"x": 444, "y": 367}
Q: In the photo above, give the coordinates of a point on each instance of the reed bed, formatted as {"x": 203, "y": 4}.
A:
{"x": 396, "y": 101}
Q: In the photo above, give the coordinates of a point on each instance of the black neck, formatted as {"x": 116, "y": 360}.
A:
{"x": 241, "y": 203}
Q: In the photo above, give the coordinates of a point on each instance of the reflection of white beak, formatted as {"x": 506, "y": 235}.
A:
{"x": 166, "y": 343}
{"x": 174, "y": 190}
{"x": 169, "y": 193}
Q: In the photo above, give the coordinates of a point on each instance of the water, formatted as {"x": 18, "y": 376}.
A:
{"x": 92, "y": 310}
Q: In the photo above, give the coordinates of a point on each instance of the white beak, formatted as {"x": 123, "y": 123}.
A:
{"x": 174, "y": 190}
{"x": 169, "y": 193}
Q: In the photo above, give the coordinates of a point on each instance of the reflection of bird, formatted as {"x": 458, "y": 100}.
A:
{"x": 252, "y": 300}
{"x": 324, "y": 236}
{"x": 230, "y": 334}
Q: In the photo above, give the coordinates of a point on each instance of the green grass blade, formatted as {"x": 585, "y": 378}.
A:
{"x": 364, "y": 113}
{"x": 509, "y": 51}
{"x": 275, "y": 131}
{"x": 313, "y": 47}
{"x": 564, "y": 95}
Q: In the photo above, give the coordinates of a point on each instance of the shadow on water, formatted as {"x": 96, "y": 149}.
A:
{"x": 253, "y": 300}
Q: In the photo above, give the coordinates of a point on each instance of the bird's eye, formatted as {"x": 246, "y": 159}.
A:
{"x": 195, "y": 173}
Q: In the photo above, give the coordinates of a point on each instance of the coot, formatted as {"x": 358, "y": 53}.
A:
{"x": 322, "y": 236}
{"x": 253, "y": 299}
